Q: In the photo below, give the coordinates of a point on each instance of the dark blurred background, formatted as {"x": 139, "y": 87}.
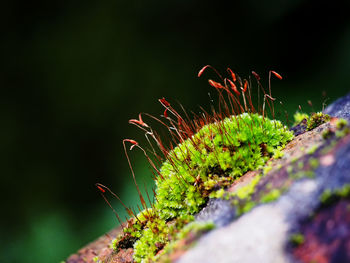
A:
{"x": 74, "y": 72}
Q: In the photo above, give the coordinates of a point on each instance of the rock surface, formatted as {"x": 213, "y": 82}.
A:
{"x": 99, "y": 248}
{"x": 299, "y": 226}
{"x": 340, "y": 108}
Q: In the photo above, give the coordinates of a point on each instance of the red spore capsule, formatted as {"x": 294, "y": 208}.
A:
{"x": 276, "y": 74}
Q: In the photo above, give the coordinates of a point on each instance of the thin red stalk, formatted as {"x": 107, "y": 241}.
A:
{"x": 129, "y": 211}
{"x": 115, "y": 212}
{"x": 133, "y": 174}
{"x": 149, "y": 200}
{"x": 154, "y": 194}
{"x": 150, "y": 161}
{"x": 214, "y": 149}
{"x": 273, "y": 108}
{"x": 188, "y": 119}
{"x": 158, "y": 158}
{"x": 286, "y": 113}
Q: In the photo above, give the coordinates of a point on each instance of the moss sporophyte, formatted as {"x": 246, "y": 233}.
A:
{"x": 204, "y": 155}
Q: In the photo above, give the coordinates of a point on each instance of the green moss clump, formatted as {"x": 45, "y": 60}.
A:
{"x": 278, "y": 154}
{"x": 312, "y": 149}
{"x": 341, "y": 130}
{"x": 156, "y": 235}
{"x": 328, "y": 196}
{"x": 214, "y": 157}
{"x": 297, "y": 239}
{"x": 247, "y": 190}
{"x": 195, "y": 227}
{"x": 153, "y": 238}
{"x": 208, "y": 161}
{"x": 271, "y": 196}
{"x": 316, "y": 119}
{"x": 314, "y": 163}
{"x": 267, "y": 168}
{"x": 242, "y": 193}
{"x": 326, "y": 134}
{"x": 299, "y": 117}
{"x": 300, "y": 165}
{"x": 341, "y": 123}
{"x": 344, "y": 191}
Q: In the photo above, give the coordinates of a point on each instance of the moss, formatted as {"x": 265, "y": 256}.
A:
{"x": 267, "y": 168}
{"x": 294, "y": 159}
{"x": 302, "y": 174}
{"x": 316, "y": 119}
{"x": 314, "y": 163}
{"x": 328, "y": 196}
{"x": 278, "y": 154}
{"x": 343, "y": 132}
{"x": 151, "y": 241}
{"x": 300, "y": 165}
{"x": 249, "y": 205}
{"x": 269, "y": 186}
{"x": 224, "y": 151}
{"x": 326, "y": 134}
{"x": 241, "y": 193}
{"x": 297, "y": 239}
{"x": 341, "y": 123}
{"x": 219, "y": 194}
{"x": 299, "y": 117}
{"x": 271, "y": 196}
{"x": 241, "y": 198}
{"x": 309, "y": 174}
{"x": 155, "y": 236}
{"x": 245, "y": 204}
{"x": 344, "y": 191}
{"x": 246, "y": 197}
{"x": 312, "y": 149}
{"x": 212, "y": 158}
{"x": 199, "y": 167}
{"x": 342, "y": 129}
{"x": 115, "y": 241}
{"x": 195, "y": 227}
{"x": 247, "y": 190}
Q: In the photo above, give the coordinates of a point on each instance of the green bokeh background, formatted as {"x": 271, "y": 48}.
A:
{"x": 74, "y": 72}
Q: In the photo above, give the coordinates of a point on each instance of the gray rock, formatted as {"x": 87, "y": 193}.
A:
{"x": 219, "y": 211}
{"x": 258, "y": 236}
{"x": 340, "y": 108}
